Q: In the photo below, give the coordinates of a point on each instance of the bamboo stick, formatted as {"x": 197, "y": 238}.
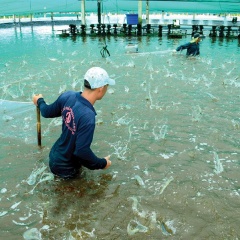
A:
{"x": 39, "y": 127}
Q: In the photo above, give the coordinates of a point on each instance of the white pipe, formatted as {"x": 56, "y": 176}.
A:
{"x": 140, "y": 12}
{"x": 147, "y": 11}
{"x": 83, "y": 12}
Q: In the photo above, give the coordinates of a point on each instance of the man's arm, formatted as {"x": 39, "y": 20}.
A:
{"x": 182, "y": 47}
{"x": 83, "y": 142}
{"x": 47, "y": 111}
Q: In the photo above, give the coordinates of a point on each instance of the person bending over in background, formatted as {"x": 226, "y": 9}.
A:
{"x": 72, "y": 149}
{"x": 192, "y": 46}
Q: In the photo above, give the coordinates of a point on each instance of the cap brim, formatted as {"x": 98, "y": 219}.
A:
{"x": 195, "y": 39}
{"x": 111, "y": 81}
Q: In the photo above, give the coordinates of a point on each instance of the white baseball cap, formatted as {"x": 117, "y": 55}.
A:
{"x": 97, "y": 77}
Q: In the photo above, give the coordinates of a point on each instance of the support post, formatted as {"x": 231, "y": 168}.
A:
{"x": 140, "y": 12}
{"x": 99, "y": 11}
{"x": 83, "y": 12}
{"x": 147, "y": 11}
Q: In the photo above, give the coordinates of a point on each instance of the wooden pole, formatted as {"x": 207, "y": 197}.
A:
{"x": 39, "y": 127}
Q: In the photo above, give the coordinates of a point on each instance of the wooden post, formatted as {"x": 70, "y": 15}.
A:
{"x": 39, "y": 127}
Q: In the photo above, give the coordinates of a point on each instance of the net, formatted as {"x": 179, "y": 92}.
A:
{"x": 18, "y": 121}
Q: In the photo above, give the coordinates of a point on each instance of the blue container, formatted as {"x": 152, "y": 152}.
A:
{"x": 132, "y": 19}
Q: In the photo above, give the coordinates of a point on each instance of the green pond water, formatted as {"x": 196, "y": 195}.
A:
{"x": 171, "y": 125}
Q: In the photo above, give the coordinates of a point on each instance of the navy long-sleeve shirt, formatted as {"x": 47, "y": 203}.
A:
{"x": 192, "y": 48}
{"x": 78, "y": 125}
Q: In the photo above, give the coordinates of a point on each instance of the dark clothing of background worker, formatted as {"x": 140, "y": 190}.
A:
{"x": 72, "y": 149}
{"x": 192, "y": 46}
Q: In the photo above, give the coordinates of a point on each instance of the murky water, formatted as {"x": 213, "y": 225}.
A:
{"x": 171, "y": 125}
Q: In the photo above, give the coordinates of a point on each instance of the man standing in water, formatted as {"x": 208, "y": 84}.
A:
{"x": 72, "y": 149}
{"x": 192, "y": 46}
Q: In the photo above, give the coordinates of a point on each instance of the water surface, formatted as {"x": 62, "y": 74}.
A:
{"x": 171, "y": 125}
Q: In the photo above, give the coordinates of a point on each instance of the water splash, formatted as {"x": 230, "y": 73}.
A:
{"x": 134, "y": 226}
{"x": 74, "y": 83}
{"x": 135, "y": 207}
{"x": 44, "y": 177}
{"x": 214, "y": 99}
{"x": 139, "y": 180}
{"x": 7, "y": 118}
{"x": 3, "y": 190}
{"x": 3, "y": 213}
{"x": 153, "y": 220}
{"x": 120, "y": 148}
{"x": 54, "y": 122}
{"x": 166, "y": 230}
{"x": 126, "y": 89}
{"x": 158, "y": 135}
{"x": 15, "y": 205}
{"x": 123, "y": 121}
{"x": 218, "y": 165}
{"x": 62, "y": 89}
{"x": 196, "y": 113}
{"x": 130, "y": 64}
{"x": 236, "y": 124}
{"x": 229, "y": 72}
{"x": 150, "y": 219}
{"x": 168, "y": 73}
{"x": 110, "y": 90}
{"x": 34, "y": 175}
{"x": 84, "y": 234}
{"x": 99, "y": 117}
{"x": 32, "y": 234}
{"x": 165, "y": 184}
